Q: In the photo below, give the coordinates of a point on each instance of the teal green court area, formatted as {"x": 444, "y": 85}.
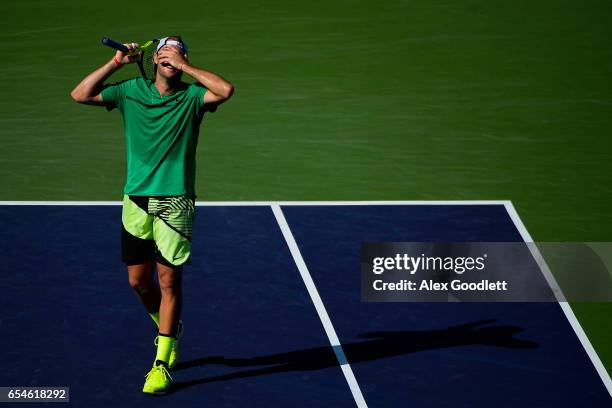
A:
{"x": 339, "y": 100}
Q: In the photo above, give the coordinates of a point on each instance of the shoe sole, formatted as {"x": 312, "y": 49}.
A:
{"x": 155, "y": 392}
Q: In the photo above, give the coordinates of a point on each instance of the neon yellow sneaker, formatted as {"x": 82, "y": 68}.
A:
{"x": 157, "y": 381}
{"x": 174, "y": 353}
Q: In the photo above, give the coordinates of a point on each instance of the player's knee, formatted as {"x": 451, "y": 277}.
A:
{"x": 138, "y": 283}
{"x": 170, "y": 281}
{"x": 169, "y": 287}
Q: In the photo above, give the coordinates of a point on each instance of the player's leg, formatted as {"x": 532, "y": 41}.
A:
{"x": 141, "y": 279}
{"x": 170, "y": 284}
{"x": 158, "y": 380}
{"x": 138, "y": 252}
{"x": 173, "y": 251}
{"x": 172, "y": 228}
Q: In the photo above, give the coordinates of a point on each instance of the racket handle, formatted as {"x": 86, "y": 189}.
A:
{"x": 114, "y": 44}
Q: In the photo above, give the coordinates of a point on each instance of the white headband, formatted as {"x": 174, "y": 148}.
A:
{"x": 166, "y": 41}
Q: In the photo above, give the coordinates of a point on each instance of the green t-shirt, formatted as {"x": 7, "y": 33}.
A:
{"x": 161, "y": 134}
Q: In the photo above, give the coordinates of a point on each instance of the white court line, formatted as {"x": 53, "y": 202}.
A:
{"x": 270, "y": 203}
{"x": 565, "y": 306}
{"x": 318, "y": 303}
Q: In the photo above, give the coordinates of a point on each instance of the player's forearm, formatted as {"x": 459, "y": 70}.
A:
{"x": 91, "y": 85}
{"x": 213, "y": 82}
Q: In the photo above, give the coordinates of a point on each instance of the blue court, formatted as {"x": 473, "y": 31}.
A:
{"x": 273, "y": 314}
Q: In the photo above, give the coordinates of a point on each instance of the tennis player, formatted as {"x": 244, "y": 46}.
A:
{"x": 162, "y": 120}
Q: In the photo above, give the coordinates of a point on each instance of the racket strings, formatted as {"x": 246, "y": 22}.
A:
{"x": 145, "y": 62}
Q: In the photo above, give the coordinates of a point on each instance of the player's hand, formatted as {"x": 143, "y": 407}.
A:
{"x": 169, "y": 55}
{"x": 123, "y": 58}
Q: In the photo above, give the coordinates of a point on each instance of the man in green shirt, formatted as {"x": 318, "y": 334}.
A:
{"x": 161, "y": 120}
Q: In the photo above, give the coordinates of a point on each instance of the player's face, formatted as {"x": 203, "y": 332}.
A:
{"x": 164, "y": 69}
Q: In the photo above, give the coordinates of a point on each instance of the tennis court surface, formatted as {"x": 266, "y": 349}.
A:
{"x": 273, "y": 314}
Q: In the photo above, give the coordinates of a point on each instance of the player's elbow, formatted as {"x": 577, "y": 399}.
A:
{"x": 77, "y": 96}
{"x": 228, "y": 91}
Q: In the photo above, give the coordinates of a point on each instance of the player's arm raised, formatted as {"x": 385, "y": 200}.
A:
{"x": 219, "y": 89}
{"x": 88, "y": 90}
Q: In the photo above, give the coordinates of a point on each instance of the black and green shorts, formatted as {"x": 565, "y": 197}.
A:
{"x": 157, "y": 229}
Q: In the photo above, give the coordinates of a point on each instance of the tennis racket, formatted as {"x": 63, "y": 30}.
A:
{"x": 144, "y": 52}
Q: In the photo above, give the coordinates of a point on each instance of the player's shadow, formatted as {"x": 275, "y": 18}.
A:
{"x": 381, "y": 345}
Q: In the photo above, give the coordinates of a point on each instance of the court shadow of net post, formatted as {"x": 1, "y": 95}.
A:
{"x": 383, "y": 344}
